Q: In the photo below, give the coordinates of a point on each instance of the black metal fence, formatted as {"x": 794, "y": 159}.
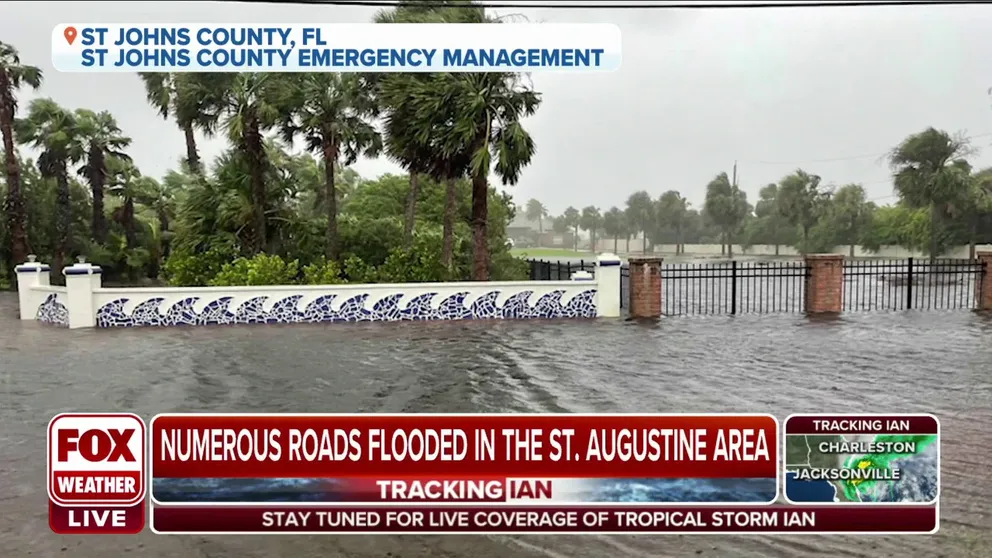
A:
{"x": 737, "y": 287}
{"x": 542, "y": 270}
{"x": 732, "y": 287}
{"x": 624, "y": 286}
{"x": 941, "y": 284}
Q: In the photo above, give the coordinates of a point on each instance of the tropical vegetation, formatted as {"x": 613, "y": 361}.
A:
{"x": 262, "y": 202}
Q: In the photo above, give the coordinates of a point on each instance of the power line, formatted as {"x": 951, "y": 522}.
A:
{"x": 654, "y": 6}
{"x": 850, "y": 158}
{"x": 830, "y": 160}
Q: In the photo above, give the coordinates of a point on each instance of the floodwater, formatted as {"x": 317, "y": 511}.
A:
{"x": 937, "y": 362}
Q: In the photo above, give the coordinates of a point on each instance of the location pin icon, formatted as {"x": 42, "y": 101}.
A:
{"x": 70, "y": 34}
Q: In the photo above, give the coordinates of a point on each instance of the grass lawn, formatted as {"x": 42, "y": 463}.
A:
{"x": 546, "y": 253}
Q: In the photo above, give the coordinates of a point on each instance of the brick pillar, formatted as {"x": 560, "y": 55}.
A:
{"x": 645, "y": 287}
{"x": 824, "y": 283}
{"x": 983, "y": 286}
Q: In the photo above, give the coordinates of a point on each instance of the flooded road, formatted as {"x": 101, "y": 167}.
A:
{"x": 893, "y": 362}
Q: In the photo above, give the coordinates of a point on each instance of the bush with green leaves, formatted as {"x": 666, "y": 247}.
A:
{"x": 370, "y": 239}
{"x": 262, "y": 269}
{"x": 507, "y": 267}
{"x": 186, "y": 269}
{"x": 323, "y": 272}
{"x": 357, "y": 271}
{"x": 420, "y": 263}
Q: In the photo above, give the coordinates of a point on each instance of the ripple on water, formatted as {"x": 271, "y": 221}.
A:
{"x": 904, "y": 362}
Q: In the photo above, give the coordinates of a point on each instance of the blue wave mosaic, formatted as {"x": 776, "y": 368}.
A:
{"x": 53, "y": 312}
{"x": 354, "y": 309}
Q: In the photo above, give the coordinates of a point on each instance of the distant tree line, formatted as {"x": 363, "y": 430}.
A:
{"x": 942, "y": 202}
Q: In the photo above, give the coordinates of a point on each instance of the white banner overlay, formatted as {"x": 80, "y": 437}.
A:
{"x": 353, "y": 47}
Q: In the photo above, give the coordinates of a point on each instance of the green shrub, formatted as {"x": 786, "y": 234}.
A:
{"x": 357, "y": 271}
{"x": 506, "y": 267}
{"x": 262, "y": 269}
{"x": 322, "y": 272}
{"x": 185, "y": 269}
{"x": 420, "y": 263}
{"x": 301, "y": 240}
{"x": 369, "y": 239}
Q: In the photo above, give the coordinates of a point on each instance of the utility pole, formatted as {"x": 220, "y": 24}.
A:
{"x": 733, "y": 206}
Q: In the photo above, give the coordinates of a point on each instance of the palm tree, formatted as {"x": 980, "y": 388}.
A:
{"x": 13, "y": 76}
{"x": 307, "y": 177}
{"x": 672, "y": 210}
{"x": 640, "y": 215}
{"x": 410, "y": 215}
{"x": 727, "y": 204}
{"x": 417, "y": 149}
{"x": 246, "y": 104}
{"x": 535, "y": 211}
{"x": 613, "y": 225}
{"x": 213, "y": 212}
{"x": 52, "y": 130}
{"x": 410, "y": 147}
{"x": 851, "y": 213}
{"x": 161, "y": 197}
{"x": 126, "y": 182}
{"x": 101, "y": 138}
{"x": 801, "y": 202}
{"x": 591, "y": 221}
{"x": 410, "y": 155}
{"x": 929, "y": 171}
{"x": 767, "y": 210}
{"x": 175, "y": 95}
{"x": 476, "y": 118}
{"x": 332, "y": 113}
{"x": 217, "y": 211}
{"x": 571, "y": 217}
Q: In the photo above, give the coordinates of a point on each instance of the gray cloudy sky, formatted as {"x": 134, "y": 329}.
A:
{"x": 830, "y": 90}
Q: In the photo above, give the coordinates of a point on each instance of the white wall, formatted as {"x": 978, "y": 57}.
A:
{"x": 52, "y": 305}
{"x": 88, "y": 304}
{"x": 31, "y": 276}
{"x": 381, "y": 302}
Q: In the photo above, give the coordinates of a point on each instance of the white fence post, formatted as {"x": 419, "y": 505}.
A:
{"x": 81, "y": 279}
{"x": 608, "y": 285}
{"x": 31, "y": 274}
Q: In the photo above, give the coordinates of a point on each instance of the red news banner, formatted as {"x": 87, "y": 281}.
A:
{"x": 452, "y": 446}
{"x": 429, "y": 474}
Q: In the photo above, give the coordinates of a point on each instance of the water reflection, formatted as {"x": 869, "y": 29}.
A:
{"x": 905, "y": 362}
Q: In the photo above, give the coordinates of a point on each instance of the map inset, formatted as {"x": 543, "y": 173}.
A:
{"x": 861, "y": 468}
